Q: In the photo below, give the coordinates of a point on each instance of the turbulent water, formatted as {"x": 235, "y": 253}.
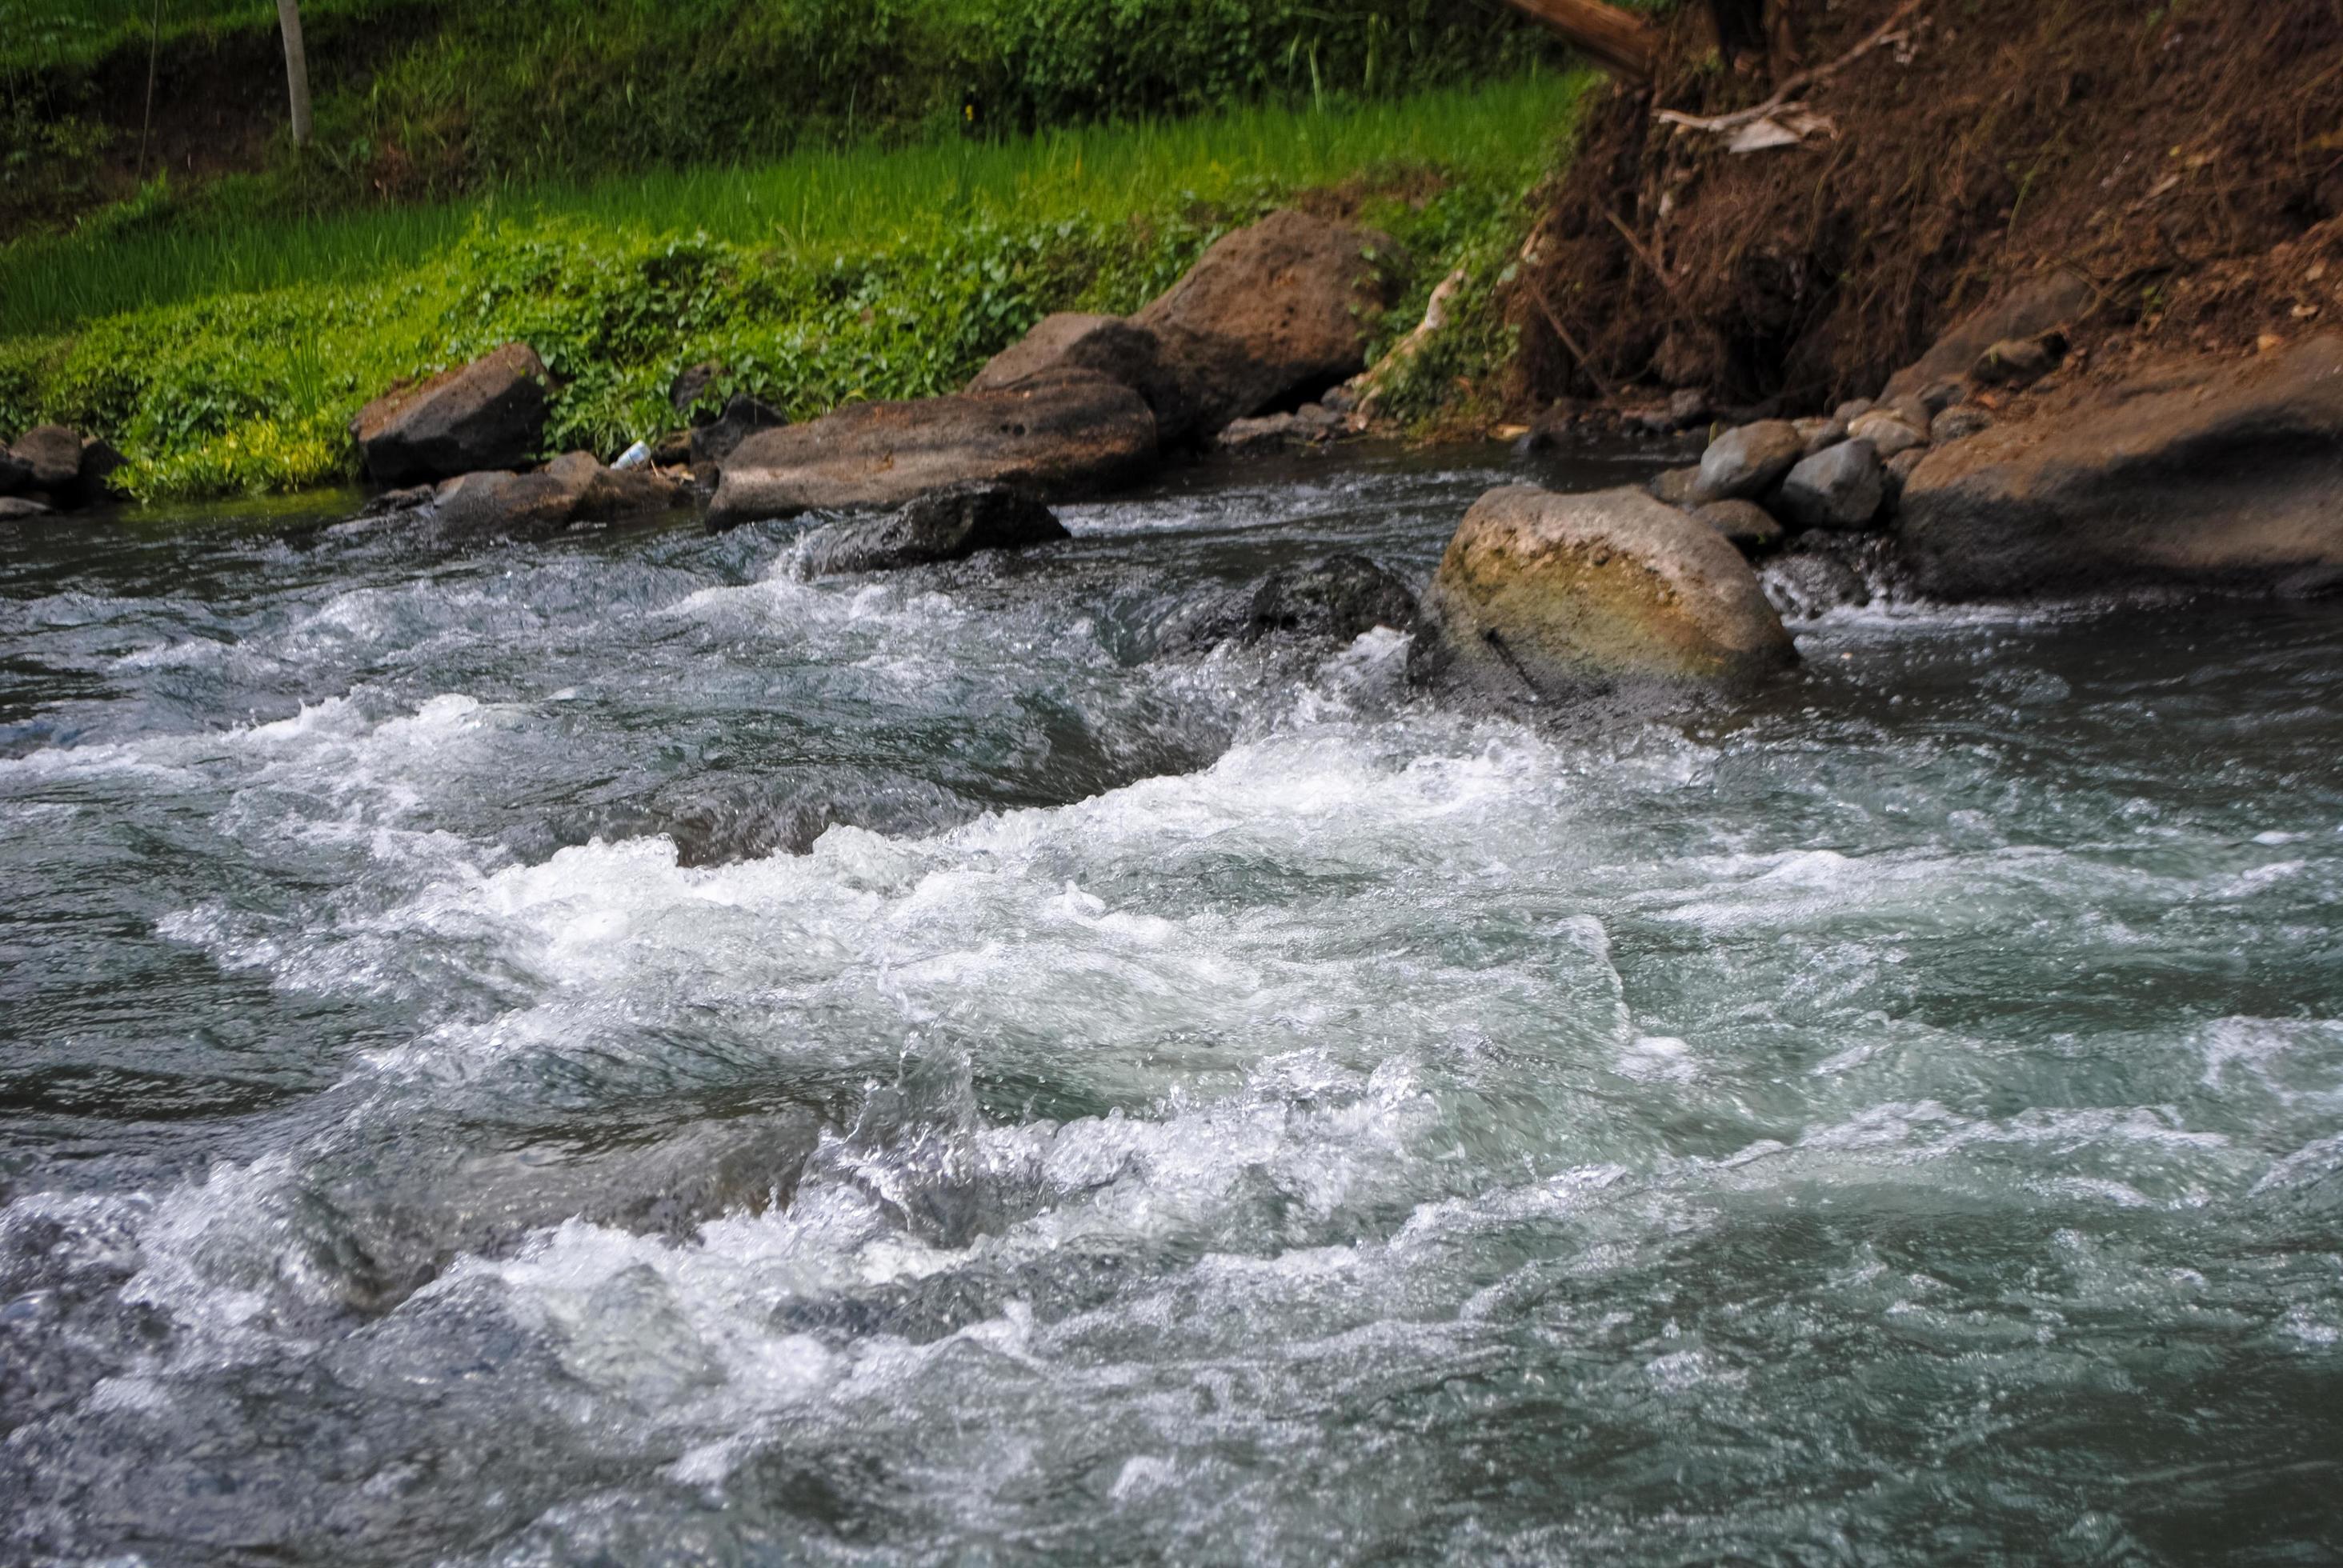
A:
{"x": 607, "y": 1052}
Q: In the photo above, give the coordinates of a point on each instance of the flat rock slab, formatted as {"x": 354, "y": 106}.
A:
{"x": 946, "y": 525}
{"x": 573, "y": 489}
{"x": 1052, "y": 438}
{"x": 2210, "y": 474}
{"x": 1545, "y": 594}
{"x": 490, "y": 413}
{"x": 23, "y": 508}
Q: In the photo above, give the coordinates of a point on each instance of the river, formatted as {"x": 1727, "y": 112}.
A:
{"x": 604, "y": 1052}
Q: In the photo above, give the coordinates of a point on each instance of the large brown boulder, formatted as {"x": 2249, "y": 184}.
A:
{"x": 1106, "y": 346}
{"x": 51, "y": 454}
{"x": 490, "y": 413}
{"x": 1272, "y": 313}
{"x": 2208, "y": 473}
{"x": 1540, "y": 594}
{"x": 1054, "y": 437}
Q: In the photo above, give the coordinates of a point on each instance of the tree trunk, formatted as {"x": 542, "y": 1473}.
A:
{"x": 296, "y": 68}
{"x": 1619, "y": 41}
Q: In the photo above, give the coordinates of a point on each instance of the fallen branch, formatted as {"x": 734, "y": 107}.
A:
{"x": 1377, "y": 380}
{"x": 1781, "y": 101}
{"x": 1619, "y": 41}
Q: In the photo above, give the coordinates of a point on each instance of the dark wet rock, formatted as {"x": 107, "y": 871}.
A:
{"x": 1334, "y": 601}
{"x": 1935, "y": 398}
{"x": 100, "y": 463}
{"x": 672, "y": 450}
{"x": 391, "y": 503}
{"x": 1052, "y": 438}
{"x": 742, "y": 417}
{"x": 1959, "y": 422}
{"x": 1752, "y": 529}
{"x": 1812, "y": 577}
{"x": 1841, "y": 487}
{"x": 2039, "y": 305}
{"x": 15, "y": 472}
{"x": 1272, "y": 313}
{"x": 51, "y": 457}
{"x": 1821, "y": 433}
{"x": 1748, "y": 461}
{"x": 2209, "y": 473}
{"x": 23, "y": 508}
{"x": 1540, "y": 594}
{"x": 490, "y": 413}
{"x": 1312, "y": 423}
{"x": 1677, "y": 487}
{"x": 945, "y": 525}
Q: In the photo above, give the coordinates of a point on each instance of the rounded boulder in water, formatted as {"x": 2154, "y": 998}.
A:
{"x": 1840, "y": 486}
{"x": 1750, "y": 460}
{"x": 1542, "y": 594}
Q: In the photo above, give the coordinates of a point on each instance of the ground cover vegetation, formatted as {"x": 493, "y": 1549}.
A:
{"x": 814, "y": 280}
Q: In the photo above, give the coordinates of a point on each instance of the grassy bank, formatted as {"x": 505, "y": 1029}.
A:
{"x": 813, "y": 280}
{"x": 425, "y": 100}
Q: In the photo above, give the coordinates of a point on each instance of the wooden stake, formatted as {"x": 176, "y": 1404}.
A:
{"x": 296, "y": 68}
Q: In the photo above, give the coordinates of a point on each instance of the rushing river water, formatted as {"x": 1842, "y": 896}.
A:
{"x": 605, "y": 1051}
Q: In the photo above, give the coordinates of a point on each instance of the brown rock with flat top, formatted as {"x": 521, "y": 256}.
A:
{"x": 1054, "y": 437}
{"x": 1273, "y": 313}
{"x": 490, "y": 413}
{"x": 2211, "y": 473}
{"x": 1540, "y": 594}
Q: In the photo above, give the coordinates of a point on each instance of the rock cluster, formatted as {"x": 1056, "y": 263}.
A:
{"x": 1270, "y": 315}
{"x": 51, "y": 468}
{"x": 494, "y": 503}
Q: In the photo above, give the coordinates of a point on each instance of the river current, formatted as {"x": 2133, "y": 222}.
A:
{"x": 606, "y": 1051}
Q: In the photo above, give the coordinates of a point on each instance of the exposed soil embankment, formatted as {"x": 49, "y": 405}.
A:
{"x": 2185, "y": 160}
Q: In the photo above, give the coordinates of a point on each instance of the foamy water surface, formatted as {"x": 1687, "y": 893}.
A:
{"x": 606, "y": 1051}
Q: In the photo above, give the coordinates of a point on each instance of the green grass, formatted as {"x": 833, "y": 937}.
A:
{"x": 229, "y": 358}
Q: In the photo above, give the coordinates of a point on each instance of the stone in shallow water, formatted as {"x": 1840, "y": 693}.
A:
{"x": 1333, "y": 600}
{"x": 1841, "y": 487}
{"x": 1544, "y": 593}
{"x": 945, "y": 525}
{"x": 1747, "y": 461}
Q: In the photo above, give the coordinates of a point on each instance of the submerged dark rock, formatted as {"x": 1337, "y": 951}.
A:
{"x": 946, "y": 525}
{"x": 1333, "y": 600}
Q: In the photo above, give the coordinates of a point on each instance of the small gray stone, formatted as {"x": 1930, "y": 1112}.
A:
{"x": 1752, "y": 528}
{"x": 1848, "y": 413}
{"x": 1838, "y": 488}
{"x": 22, "y": 508}
{"x": 1750, "y": 460}
{"x": 1959, "y": 422}
{"x": 1888, "y": 434}
{"x": 1688, "y": 407}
